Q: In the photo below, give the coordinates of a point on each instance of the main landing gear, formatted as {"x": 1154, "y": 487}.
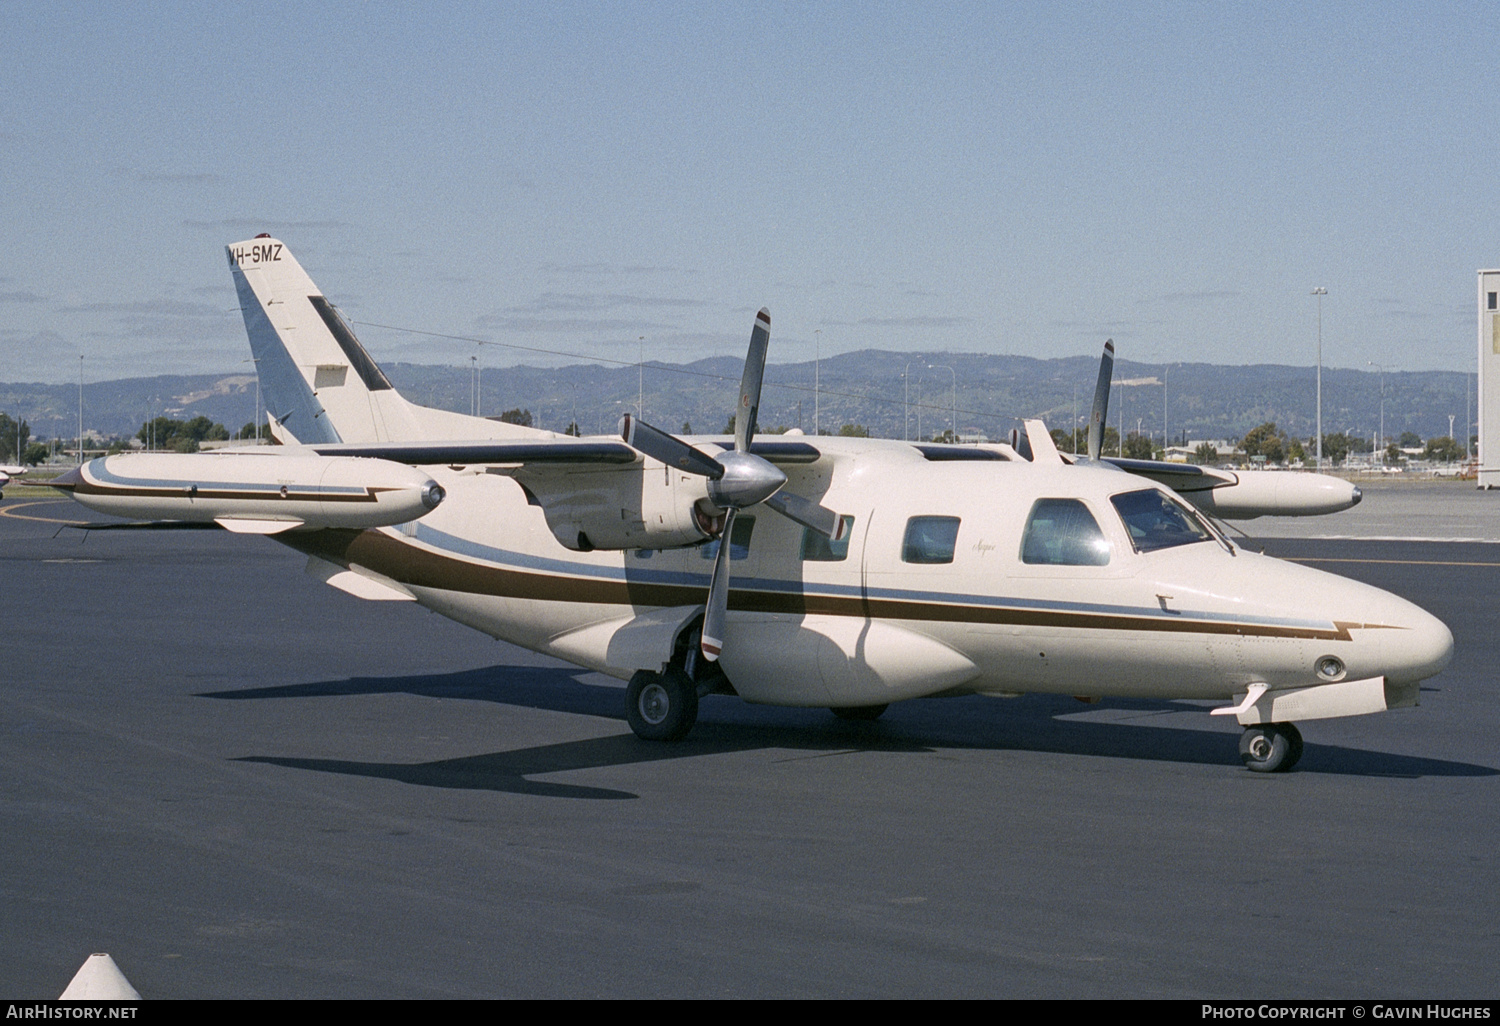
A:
{"x": 661, "y": 706}
{"x": 1270, "y": 747}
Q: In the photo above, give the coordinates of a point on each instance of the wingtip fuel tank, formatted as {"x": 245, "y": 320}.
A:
{"x": 248, "y": 489}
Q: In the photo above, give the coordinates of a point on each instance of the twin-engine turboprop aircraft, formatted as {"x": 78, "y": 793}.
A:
{"x": 835, "y": 572}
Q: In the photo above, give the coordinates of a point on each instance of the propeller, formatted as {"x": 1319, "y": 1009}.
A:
{"x": 737, "y": 479}
{"x": 1101, "y": 400}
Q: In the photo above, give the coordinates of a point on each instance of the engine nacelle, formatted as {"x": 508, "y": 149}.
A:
{"x": 254, "y": 492}
{"x": 638, "y": 507}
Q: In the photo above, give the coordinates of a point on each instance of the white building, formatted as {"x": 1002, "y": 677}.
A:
{"x": 1489, "y": 379}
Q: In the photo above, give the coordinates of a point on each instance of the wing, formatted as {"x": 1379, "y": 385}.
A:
{"x": 603, "y": 499}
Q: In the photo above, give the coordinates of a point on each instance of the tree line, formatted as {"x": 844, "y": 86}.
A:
{"x": 1273, "y": 446}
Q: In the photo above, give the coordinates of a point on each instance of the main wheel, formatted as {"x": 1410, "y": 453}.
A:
{"x": 860, "y": 712}
{"x": 1270, "y": 747}
{"x": 661, "y": 706}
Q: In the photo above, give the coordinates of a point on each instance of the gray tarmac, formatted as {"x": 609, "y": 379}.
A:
{"x": 1400, "y": 508}
{"x": 242, "y": 783}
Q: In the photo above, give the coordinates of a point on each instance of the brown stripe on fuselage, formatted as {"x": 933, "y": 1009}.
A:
{"x": 425, "y": 568}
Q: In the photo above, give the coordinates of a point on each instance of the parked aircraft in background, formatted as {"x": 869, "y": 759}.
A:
{"x": 842, "y": 573}
{"x": 7, "y": 473}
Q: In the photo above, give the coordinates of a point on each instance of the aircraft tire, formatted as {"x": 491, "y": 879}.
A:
{"x": 1270, "y": 747}
{"x": 863, "y": 713}
{"x": 661, "y": 706}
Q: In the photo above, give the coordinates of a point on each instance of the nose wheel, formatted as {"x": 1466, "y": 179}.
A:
{"x": 1270, "y": 747}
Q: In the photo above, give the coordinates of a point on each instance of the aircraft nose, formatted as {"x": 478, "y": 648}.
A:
{"x": 1420, "y": 648}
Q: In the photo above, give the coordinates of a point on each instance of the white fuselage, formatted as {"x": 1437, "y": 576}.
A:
{"x": 1197, "y": 620}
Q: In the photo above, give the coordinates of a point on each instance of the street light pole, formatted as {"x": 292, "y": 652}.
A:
{"x": 906, "y": 403}
{"x": 1320, "y": 292}
{"x": 950, "y": 370}
{"x": 1122, "y": 422}
{"x": 1074, "y": 426}
{"x": 817, "y": 378}
{"x": 1381, "y": 443}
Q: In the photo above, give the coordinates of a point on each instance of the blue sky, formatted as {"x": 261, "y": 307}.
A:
{"x": 1018, "y": 178}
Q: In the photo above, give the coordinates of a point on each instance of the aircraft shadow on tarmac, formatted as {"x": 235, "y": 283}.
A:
{"x": 1035, "y": 723}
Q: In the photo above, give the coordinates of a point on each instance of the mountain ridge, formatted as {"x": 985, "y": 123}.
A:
{"x": 893, "y": 394}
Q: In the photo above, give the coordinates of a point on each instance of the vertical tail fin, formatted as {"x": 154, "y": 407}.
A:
{"x": 319, "y": 383}
{"x": 273, "y": 291}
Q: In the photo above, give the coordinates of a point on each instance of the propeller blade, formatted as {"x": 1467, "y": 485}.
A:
{"x": 1101, "y": 400}
{"x": 755, "y": 369}
{"x": 809, "y": 514}
{"x": 718, "y": 596}
{"x": 670, "y": 449}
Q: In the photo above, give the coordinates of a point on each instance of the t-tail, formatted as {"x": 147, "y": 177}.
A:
{"x": 319, "y": 384}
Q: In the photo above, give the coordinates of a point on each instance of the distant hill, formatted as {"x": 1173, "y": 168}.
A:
{"x": 866, "y": 387}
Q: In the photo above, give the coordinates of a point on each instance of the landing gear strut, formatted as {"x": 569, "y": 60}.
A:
{"x": 1270, "y": 747}
{"x": 661, "y": 706}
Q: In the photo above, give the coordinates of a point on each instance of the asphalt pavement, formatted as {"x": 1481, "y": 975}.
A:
{"x": 242, "y": 783}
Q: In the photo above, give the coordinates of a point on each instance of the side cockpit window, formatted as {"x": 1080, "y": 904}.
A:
{"x": 1062, "y": 532}
{"x": 1155, "y": 521}
{"x": 930, "y": 540}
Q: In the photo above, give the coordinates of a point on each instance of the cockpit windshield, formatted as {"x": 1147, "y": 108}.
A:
{"x": 1156, "y": 521}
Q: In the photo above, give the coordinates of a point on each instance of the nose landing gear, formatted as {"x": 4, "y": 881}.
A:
{"x": 1270, "y": 747}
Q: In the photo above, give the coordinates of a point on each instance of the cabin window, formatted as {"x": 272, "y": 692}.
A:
{"x": 739, "y": 540}
{"x": 930, "y": 540}
{"x": 819, "y": 548}
{"x": 1155, "y": 521}
{"x": 1062, "y": 532}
